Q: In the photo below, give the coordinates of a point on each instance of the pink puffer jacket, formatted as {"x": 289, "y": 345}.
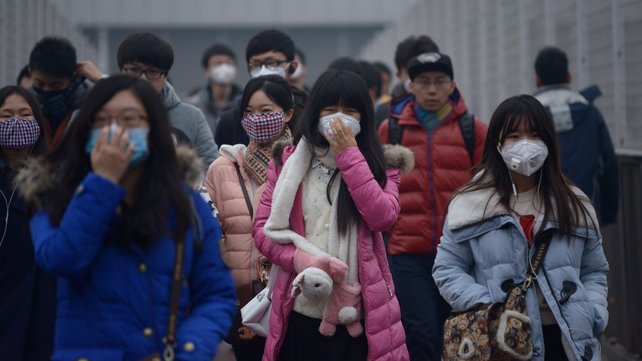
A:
{"x": 379, "y": 208}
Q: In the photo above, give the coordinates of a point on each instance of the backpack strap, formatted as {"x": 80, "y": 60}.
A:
{"x": 467, "y": 127}
{"x": 395, "y": 131}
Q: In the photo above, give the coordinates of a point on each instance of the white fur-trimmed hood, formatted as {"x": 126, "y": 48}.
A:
{"x": 475, "y": 206}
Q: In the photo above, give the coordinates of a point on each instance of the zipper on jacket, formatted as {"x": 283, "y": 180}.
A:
{"x": 389, "y": 289}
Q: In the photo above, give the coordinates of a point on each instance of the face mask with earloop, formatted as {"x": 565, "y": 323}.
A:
{"x": 525, "y": 156}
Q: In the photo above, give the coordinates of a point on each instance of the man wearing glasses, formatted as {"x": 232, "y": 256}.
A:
{"x": 268, "y": 52}
{"x": 148, "y": 57}
{"x": 432, "y": 121}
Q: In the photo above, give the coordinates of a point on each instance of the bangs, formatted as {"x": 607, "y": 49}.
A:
{"x": 515, "y": 119}
{"x": 343, "y": 91}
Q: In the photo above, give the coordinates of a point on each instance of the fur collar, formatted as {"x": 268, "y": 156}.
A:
{"x": 476, "y": 206}
{"x": 395, "y": 156}
{"x": 35, "y": 181}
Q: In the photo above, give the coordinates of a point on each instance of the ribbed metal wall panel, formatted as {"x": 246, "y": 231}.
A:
{"x": 493, "y": 44}
{"x": 23, "y": 23}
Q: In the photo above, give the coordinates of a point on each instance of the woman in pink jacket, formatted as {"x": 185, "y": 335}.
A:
{"x": 235, "y": 180}
{"x": 320, "y": 219}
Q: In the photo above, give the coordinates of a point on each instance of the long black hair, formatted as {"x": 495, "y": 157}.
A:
{"x": 159, "y": 184}
{"x": 347, "y": 89}
{"x": 40, "y": 147}
{"x": 560, "y": 201}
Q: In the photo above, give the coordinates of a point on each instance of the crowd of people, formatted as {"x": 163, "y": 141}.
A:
{"x": 137, "y": 225}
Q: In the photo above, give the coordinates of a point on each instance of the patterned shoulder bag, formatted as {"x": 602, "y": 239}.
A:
{"x": 498, "y": 331}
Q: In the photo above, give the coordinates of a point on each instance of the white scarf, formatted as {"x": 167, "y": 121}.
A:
{"x": 277, "y": 226}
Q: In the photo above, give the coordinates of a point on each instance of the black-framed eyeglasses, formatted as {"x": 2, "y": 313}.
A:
{"x": 127, "y": 119}
{"x": 151, "y": 74}
{"x": 271, "y": 63}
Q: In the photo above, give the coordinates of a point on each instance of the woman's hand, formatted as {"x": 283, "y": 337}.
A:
{"x": 110, "y": 157}
{"x": 341, "y": 137}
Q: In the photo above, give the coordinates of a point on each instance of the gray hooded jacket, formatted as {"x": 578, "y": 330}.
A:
{"x": 191, "y": 121}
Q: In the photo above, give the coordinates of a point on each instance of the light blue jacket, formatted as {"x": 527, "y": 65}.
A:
{"x": 483, "y": 246}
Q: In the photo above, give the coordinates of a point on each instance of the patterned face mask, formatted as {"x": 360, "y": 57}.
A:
{"x": 262, "y": 128}
{"x": 19, "y": 133}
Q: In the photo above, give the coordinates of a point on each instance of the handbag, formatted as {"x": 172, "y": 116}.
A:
{"x": 255, "y": 314}
{"x": 498, "y": 331}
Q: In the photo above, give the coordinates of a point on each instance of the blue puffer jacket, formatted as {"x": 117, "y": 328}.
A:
{"x": 481, "y": 248}
{"x": 113, "y": 301}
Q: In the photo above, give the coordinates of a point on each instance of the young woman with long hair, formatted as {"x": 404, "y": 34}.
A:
{"x": 114, "y": 220}
{"x": 494, "y": 221}
{"x": 325, "y": 204}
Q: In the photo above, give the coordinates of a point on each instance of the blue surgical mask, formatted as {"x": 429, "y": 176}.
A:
{"x": 138, "y": 136}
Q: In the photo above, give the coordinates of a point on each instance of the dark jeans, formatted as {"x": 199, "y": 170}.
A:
{"x": 553, "y": 348}
{"x": 304, "y": 342}
{"x": 423, "y": 310}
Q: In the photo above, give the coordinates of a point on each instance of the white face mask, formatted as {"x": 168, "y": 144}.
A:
{"x": 269, "y": 70}
{"x": 352, "y": 122}
{"x": 525, "y": 157}
{"x": 223, "y": 74}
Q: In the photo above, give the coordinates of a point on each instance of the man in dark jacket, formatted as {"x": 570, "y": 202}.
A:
{"x": 588, "y": 156}
{"x": 268, "y": 52}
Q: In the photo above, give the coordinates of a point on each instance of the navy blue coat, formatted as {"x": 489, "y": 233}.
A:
{"x": 27, "y": 293}
{"x": 588, "y": 156}
{"x": 113, "y": 301}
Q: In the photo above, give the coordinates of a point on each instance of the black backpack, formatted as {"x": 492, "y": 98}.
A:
{"x": 466, "y": 125}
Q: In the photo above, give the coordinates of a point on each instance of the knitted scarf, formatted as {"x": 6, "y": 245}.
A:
{"x": 257, "y": 157}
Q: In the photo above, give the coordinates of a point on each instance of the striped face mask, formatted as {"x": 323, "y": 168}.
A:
{"x": 19, "y": 133}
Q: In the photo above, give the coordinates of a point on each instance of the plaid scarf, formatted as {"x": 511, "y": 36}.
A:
{"x": 257, "y": 157}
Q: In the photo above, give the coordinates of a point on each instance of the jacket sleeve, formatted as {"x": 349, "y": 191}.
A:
{"x": 212, "y": 294}
{"x": 378, "y": 206}
{"x": 69, "y": 249}
{"x": 210, "y": 183}
{"x": 281, "y": 254}
{"x": 452, "y": 274}
{"x": 593, "y": 273}
{"x": 204, "y": 140}
{"x": 609, "y": 175}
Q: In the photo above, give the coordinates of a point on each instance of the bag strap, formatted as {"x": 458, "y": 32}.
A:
{"x": 170, "y": 339}
{"x": 246, "y": 195}
{"x": 538, "y": 258}
{"x": 467, "y": 127}
{"x": 395, "y": 131}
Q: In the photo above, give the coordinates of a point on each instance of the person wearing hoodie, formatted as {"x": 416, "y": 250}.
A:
{"x": 234, "y": 183}
{"x": 150, "y": 58}
{"x": 138, "y": 275}
{"x": 588, "y": 156}
{"x": 432, "y": 121}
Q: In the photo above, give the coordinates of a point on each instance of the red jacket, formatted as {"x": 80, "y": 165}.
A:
{"x": 442, "y": 164}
